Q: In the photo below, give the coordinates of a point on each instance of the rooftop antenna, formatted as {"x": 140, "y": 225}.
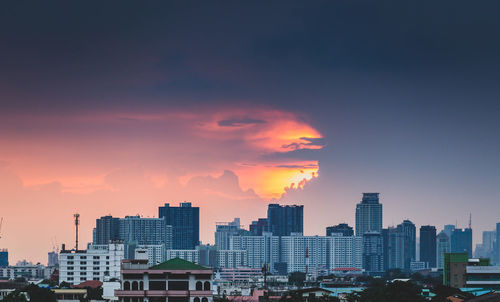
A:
{"x": 470, "y": 221}
{"x": 1, "y": 221}
{"x": 77, "y": 222}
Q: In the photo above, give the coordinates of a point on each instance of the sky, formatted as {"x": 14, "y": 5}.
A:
{"x": 117, "y": 107}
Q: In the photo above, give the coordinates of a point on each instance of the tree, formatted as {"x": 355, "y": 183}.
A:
{"x": 15, "y": 296}
{"x": 297, "y": 278}
{"x": 38, "y": 294}
{"x": 443, "y": 292}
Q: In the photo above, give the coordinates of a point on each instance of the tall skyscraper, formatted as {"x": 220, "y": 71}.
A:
{"x": 285, "y": 220}
{"x": 394, "y": 248}
{"x": 428, "y": 245}
{"x": 373, "y": 253}
{"x": 407, "y": 228}
{"x": 107, "y": 228}
{"x": 342, "y": 228}
{"x": 461, "y": 241}
{"x": 448, "y": 230}
{"x": 4, "y": 257}
{"x": 185, "y": 222}
{"x": 258, "y": 227}
{"x": 443, "y": 246}
{"x": 368, "y": 214}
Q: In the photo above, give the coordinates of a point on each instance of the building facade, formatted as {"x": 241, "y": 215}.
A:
{"x": 407, "y": 228}
{"x": 175, "y": 280}
{"x": 443, "y": 246}
{"x": 342, "y": 228}
{"x": 428, "y": 246}
{"x": 461, "y": 241}
{"x": 185, "y": 222}
{"x": 373, "y": 253}
{"x": 98, "y": 262}
{"x": 188, "y": 255}
{"x": 368, "y": 214}
{"x": 4, "y": 258}
{"x": 285, "y": 220}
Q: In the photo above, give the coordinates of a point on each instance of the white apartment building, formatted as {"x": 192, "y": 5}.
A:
{"x": 188, "y": 255}
{"x": 231, "y": 258}
{"x": 98, "y": 262}
{"x": 301, "y": 252}
{"x": 345, "y": 252}
{"x": 155, "y": 252}
{"x": 260, "y": 249}
{"x": 27, "y": 270}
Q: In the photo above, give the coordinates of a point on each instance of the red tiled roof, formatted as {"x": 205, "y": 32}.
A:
{"x": 89, "y": 283}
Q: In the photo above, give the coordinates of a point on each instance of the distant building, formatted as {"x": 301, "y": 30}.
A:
{"x": 26, "y": 270}
{"x": 53, "y": 259}
{"x": 373, "y": 254}
{"x": 345, "y": 252}
{"x": 443, "y": 246}
{"x": 107, "y": 228}
{"x": 448, "y": 230}
{"x": 260, "y": 250}
{"x": 394, "y": 248}
{"x": 4, "y": 257}
{"x": 304, "y": 253}
{"x": 155, "y": 252}
{"x": 428, "y": 247}
{"x": 188, "y": 255}
{"x": 418, "y": 265}
{"x": 342, "y": 228}
{"x": 368, "y": 214}
{"x": 175, "y": 280}
{"x": 224, "y": 231}
{"x": 285, "y": 220}
{"x": 258, "y": 227}
{"x": 185, "y": 222}
{"x": 407, "y": 228}
{"x": 461, "y": 241}
{"x": 98, "y": 262}
{"x": 497, "y": 246}
{"x": 208, "y": 255}
{"x": 231, "y": 258}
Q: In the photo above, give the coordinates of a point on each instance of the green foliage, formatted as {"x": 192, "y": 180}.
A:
{"x": 297, "y": 278}
{"x": 394, "y": 292}
{"x": 38, "y": 294}
{"x": 15, "y": 296}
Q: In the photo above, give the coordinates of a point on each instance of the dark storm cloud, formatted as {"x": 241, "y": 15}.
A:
{"x": 115, "y": 53}
{"x": 240, "y": 122}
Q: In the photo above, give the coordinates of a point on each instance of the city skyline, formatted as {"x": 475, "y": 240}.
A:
{"x": 119, "y": 108}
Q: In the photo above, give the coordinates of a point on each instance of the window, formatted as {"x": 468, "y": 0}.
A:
{"x": 126, "y": 285}
{"x": 107, "y": 262}
{"x": 135, "y": 285}
{"x": 204, "y": 299}
{"x": 206, "y": 285}
{"x": 107, "y": 257}
{"x": 96, "y": 273}
{"x": 196, "y": 299}
{"x": 199, "y": 286}
{"x": 83, "y": 262}
{"x": 70, "y": 278}
{"x": 157, "y": 285}
{"x": 178, "y": 285}
{"x": 83, "y": 268}
{"x": 107, "y": 268}
{"x": 71, "y": 257}
{"x": 70, "y": 273}
{"x": 70, "y": 268}
{"x": 83, "y": 273}
{"x": 96, "y": 262}
{"x": 70, "y": 262}
{"x": 96, "y": 257}
{"x": 83, "y": 257}
{"x": 96, "y": 268}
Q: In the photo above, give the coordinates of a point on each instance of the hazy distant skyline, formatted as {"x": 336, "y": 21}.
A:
{"x": 117, "y": 107}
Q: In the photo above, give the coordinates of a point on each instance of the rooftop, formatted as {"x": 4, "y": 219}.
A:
{"x": 178, "y": 264}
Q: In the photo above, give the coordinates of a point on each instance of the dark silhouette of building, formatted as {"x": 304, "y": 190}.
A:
{"x": 107, "y": 228}
{"x": 258, "y": 226}
{"x": 407, "y": 228}
{"x": 284, "y": 220}
{"x": 373, "y": 252}
{"x": 185, "y": 222}
{"x": 428, "y": 244}
{"x": 4, "y": 258}
{"x": 461, "y": 241}
{"x": 369, "y": 214}
{"x": 342, "y": 228}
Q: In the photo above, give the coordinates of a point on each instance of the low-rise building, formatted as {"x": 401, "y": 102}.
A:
{"x": 175, "y": 280}
{"x": 26, "y": 270}
{"x": 98, "y": 262}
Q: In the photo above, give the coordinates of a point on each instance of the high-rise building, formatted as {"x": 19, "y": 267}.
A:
{"x": 224, "y": 231}
{"x": 342, "y": 228}
{"x": 461, "y": 241}
{"x": 260, "y": 250}
{"x": 407, "y": 228}
{"x": 304, "y": 253}
{"x": 107, "y": 228}
{"x": 428, "y": 245}
{"x": 373, "y": 253}
{"x": 258, "y": 227}
{"x": 443, "y": 246}
{"x": 185, "y": 222}
{"x": 4, "y": 258}
{"x": 368, "y": 214}
{"x": 486, "y": 249}
{"x": 394, "y": 248}
{"x": 53, "y": 259}
{"x": 345, "y": 251}
{"x": 285, "y": 220}
{"x": 448, "y": 229}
